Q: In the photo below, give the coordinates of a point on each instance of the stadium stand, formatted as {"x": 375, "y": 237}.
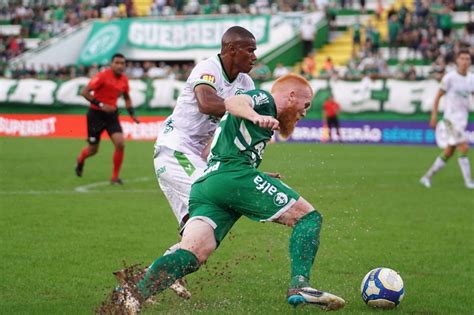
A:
{"x": 400, "y": 39}
{"x": 406, "y": 40}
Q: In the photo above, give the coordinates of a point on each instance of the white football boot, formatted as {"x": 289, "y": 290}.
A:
{"x": 125, "y": 296}
{"x": 326, "y": 301}
{"x": 179, "y": 287}
{"x": 130, "y": 305}
{"x": 425, "y": 181}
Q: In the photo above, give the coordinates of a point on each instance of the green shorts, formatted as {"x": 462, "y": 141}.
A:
{"x": 221, "y": 199}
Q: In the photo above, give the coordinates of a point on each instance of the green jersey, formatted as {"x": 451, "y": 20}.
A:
{"x": 238, "y": 142}
{"x": 232, "y": 186}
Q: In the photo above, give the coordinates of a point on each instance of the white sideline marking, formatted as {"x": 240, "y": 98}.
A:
{"x": 85, "y": 188}
{"x": 82, "y": 189}
{"x": 72, "y": 192}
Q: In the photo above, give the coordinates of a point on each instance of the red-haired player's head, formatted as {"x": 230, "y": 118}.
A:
{"x": 292, "y": 94}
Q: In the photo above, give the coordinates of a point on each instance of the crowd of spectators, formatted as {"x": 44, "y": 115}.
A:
{"x": 42, "y": 19}
{"x": 427, "y": 33}
{"x": 134, "y": 70}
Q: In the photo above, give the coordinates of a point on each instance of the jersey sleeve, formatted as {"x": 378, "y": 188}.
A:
{"x": 262, "y": 102}
{"x": 96, "y": 81}
{"x": 445, "y": 82}
{"x": 204, "y": 73}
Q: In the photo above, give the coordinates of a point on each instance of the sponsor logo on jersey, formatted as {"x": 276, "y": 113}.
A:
{"x": 239, "y": 91}
{"x": 160, "y": 171}
{"x": 212, "y": 168}
{"x": 462, "y": 93}
{"x": 260, "y": 99}
{"x": 280, "y": 199}
{"x": 209, "y": 78}
{"x": 264, "y": 186}
{"x": 168, "y": 126}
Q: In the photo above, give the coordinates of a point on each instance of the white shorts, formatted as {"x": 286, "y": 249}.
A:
{"x": 455, "y": 134}
{"x": 176, "y": 172}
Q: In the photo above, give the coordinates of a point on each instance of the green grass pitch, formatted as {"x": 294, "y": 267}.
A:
{"x": 58, "y": 246}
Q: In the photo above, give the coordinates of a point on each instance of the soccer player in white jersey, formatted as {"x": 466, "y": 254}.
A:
{"x": 457, "y": 87}
{"x": 179, "y": 157}
{"x": 236, "y": 152}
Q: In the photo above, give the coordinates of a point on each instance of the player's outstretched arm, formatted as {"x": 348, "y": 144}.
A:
{"x": 434, "y": 112}
{"x": 209, "y": 102}
{"x": 241, "y": 106}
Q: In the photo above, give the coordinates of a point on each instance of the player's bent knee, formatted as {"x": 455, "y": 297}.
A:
{"x": 297, "y": 211}
{"x": 463, "y": 148}
{"x": 93, "y": 149}
{"x": 449, "y": 151}
{"x": 202, "y": 251}
{"x": 205, "y": 252}
{"x": 198, "y": 238}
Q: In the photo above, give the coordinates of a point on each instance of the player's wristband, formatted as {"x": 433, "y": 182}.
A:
{"x": 131, "y": 111}
{"x": 96, "y": 102}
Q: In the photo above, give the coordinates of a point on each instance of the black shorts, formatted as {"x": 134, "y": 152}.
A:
{"x": 333, "y": 122}
{"x": 98, "y": 121}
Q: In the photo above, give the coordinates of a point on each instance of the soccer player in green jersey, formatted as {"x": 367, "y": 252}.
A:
{"x": 232, "y": 187}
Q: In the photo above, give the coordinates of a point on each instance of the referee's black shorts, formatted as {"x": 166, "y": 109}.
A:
{"x": 333, "y": 122}
{"x": 98, "y": 121}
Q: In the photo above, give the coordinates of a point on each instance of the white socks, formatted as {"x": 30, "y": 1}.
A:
{"x": 465, "y": 169}
{"x": 437, "y": 165}
{"x": 464, "y": 165}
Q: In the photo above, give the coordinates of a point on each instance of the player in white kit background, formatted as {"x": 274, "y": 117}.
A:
{"x": 457, "y": 87}
{"x": 180, "y": 156}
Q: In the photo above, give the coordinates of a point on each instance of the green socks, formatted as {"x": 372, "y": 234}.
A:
{"x": 166, "y": 270}
{"x": 304, "y": 244}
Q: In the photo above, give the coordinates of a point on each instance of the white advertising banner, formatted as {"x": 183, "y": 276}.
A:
{"x": 402, "y": 97}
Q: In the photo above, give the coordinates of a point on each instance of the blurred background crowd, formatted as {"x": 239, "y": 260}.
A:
{"x": 420, "y": 42}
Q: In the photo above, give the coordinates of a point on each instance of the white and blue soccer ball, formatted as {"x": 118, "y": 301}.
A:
{"x": 382, "y": 288}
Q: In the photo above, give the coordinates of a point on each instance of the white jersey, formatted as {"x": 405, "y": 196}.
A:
{"x": 458, "y": 89}
{"x": 188, "y": 130}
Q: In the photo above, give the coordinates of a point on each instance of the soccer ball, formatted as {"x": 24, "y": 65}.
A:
{"x": 382, "y": 288}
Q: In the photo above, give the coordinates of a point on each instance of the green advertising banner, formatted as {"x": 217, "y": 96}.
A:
{"x": 106, "y": 38}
